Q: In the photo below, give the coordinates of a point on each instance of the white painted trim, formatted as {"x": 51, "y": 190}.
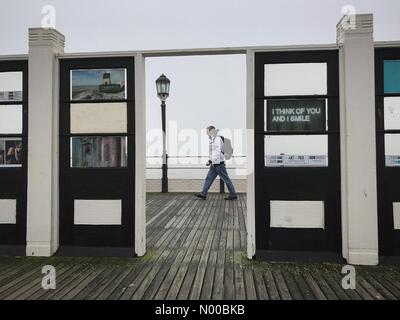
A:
{"x": 140, "y": 161}
{"x": 343, "y": 157}
{"x": 199, "y": 51}
{"x": 250, "y": 96}
{"x": 39, "y": 249}
{"x": 387, "y": 44}
{"x": 366, "y": 257}
{"x": 14, "y": 57}
{"x": 55, "y": 190}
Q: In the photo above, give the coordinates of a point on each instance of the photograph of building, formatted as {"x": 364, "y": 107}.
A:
{"x": 203, "y": 172}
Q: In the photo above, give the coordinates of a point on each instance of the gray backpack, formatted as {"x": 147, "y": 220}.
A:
{"x": 228, "y": 149}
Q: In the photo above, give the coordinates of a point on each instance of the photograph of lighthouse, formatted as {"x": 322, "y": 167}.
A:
{"x": 98, "y": 84}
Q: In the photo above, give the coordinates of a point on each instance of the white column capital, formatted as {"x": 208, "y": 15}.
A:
{"x": 354, "y": 25}
{"x": 46, "y": 38}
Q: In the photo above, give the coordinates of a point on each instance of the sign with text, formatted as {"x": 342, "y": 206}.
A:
{"x": 296, "y": 115}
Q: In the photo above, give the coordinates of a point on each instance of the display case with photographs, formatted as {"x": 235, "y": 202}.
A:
{"x": 11, "y": 119}
{"x": 98, "y": 84}
{"x": 99, "y": 152}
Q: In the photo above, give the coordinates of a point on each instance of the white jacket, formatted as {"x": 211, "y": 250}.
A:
{"x": 216, "y": 150}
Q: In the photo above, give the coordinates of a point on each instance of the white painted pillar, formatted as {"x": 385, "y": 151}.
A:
{"x": 140, "y": 163}
{"x": 358, "y": 144}
{"x": 251, "y": 208}
{"x": 42, "y": 207}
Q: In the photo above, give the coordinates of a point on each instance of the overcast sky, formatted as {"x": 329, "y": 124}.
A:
{"x": 154, "y": 24}
{"x": 204, "y": 89}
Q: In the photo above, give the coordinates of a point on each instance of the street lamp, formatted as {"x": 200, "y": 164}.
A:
{"x": 162, "y": 84}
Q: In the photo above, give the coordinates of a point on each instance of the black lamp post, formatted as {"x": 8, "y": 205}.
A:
{"x": 162, "y": 84}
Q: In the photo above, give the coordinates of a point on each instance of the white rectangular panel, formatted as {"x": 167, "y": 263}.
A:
{"x": 99, "y": 118}
{"x": 8, "y": 211}
{"x": 297, "y": 214}
{"x": 285, "y": 79}
{"x": 10, "y": 119}
{"x": 396, "y": 215}
{"x": 97, "y": 212}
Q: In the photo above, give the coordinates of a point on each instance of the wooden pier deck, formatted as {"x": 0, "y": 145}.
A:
{"x": 196, "y": 250}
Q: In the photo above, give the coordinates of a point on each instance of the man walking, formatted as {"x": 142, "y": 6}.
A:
{"x": 217, "y": 165}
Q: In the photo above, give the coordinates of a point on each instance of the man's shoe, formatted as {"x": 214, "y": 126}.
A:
{"x": 231, "y": 198}
{"x": 199, "y": 195}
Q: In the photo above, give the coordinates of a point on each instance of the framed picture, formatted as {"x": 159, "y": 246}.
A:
{"x": 98, "y": 84}
{"x": 99, "y": 152}
{"x": 2, "y": 153}
{"x": 11, "y": 86}
{"x": 11, "y": 152}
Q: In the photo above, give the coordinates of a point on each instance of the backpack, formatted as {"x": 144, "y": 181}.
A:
{"x": 228, "y": 149}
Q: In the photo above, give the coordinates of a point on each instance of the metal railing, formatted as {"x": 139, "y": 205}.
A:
{"x": 201, "y": 165}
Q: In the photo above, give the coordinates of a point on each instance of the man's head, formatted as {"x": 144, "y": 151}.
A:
{"x": 211, "y": 131}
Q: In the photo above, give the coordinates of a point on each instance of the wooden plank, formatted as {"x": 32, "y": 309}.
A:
{"x": 196, "y": 250}
{"x": 32, "y": 285}
{"x": 284, "y": 292}
{"x": 208, "y": 281}
{"x": 69, "y": 283}
{"x": 262, "y": 293}
{"x": 208, "y": 285}
{"x": 251, "y": 293}
{"x": 339, "y": 291}
{"x": 389, "y": 283}
{"x": 105, "y": 282}
{"x": 304, "y": 288}
{"x": 104, "y": 273}
{"x": 369, "y": 288}
{"x": 60, "y": 282}
{"x": 272, "y": 290}
{"x": 218, "y": 285}
{"x": 16, "y": 272}
{"x": 379, "y": 287}
{"x": 5, "y": 289}
{"x": 181, "y": 272}
{"x": 325, "y": 288}
{"x": 144, "y": 279}
{"x": 116, "y": 286}
{"x": 186, "y": 286}
{"x": 180, "y": 275}
{"x": 202, "y": 267}
{"x": 240, "y": 290}
{"x": 317, "y": 292}
{"x": 154, "y": 287}
{"x": 350, "y": 292}
{"x": 139, "y": 286}
{"x": 294, "y": 290}
{"x": 82, "y": 283}
{"x": 187, "y": 237}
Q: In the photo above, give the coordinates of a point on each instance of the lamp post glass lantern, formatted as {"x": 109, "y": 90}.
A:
{"x": 162, "y": 85}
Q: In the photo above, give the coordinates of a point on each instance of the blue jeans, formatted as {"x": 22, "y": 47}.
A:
{"x": 218, "y": 170}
